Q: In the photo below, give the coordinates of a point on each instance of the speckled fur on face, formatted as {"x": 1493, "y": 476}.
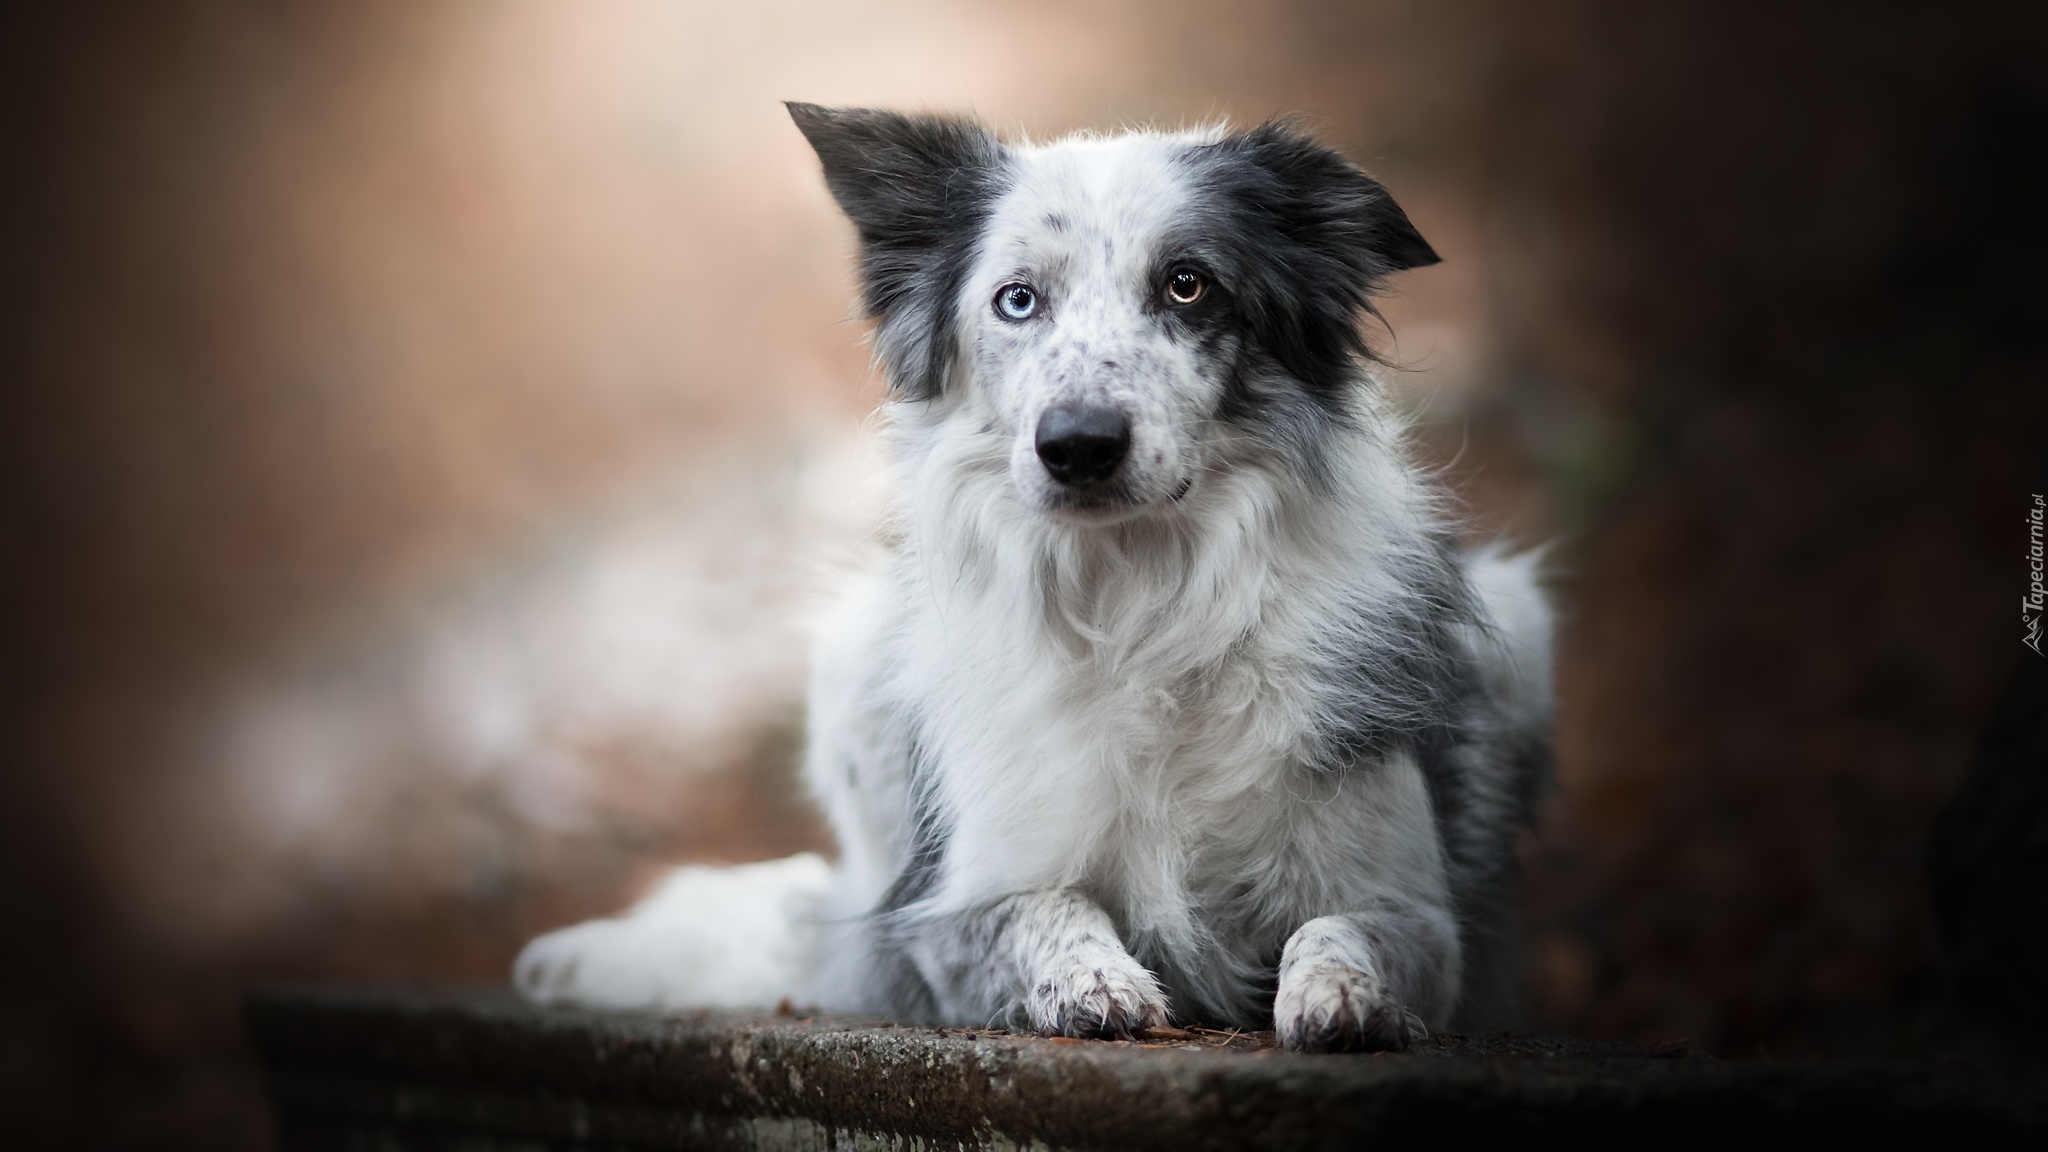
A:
{"x": 1089, "y": 227}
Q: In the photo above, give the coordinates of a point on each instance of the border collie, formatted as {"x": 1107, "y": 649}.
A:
{"x": 1167, "y": 694}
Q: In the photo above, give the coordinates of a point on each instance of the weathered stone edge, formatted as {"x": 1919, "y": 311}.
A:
{"x": 481, "y": 1060}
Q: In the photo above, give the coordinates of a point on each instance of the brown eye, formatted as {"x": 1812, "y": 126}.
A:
{"x": 1185, "y": 287}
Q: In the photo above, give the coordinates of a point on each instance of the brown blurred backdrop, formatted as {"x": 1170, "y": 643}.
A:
{"x": 426, "y": 424}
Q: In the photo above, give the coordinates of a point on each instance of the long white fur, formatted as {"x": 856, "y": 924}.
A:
{"x": 1115, "y": 705}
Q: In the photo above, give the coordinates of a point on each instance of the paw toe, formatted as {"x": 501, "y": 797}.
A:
{"x": 1343, "y": 1010}
{"x": 1113, "y": 1000}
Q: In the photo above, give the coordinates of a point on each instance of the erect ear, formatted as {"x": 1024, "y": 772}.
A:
{"x": 1327, "y": 201}
{"x": 1318, "y": 237}
{"x": 918, "y": 190}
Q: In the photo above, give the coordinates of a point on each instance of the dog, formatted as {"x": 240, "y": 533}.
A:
{"x": 1167, "y": 694}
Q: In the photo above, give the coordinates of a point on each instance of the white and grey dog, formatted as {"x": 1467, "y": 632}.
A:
{"x": 1168, "y": 694}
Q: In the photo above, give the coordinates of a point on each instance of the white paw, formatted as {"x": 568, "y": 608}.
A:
{"x": 1095, "y": 991}
{"x": 1330, "y": 1007}
{"x": 1332, "y": 998}
{"x": 740, "y": 937}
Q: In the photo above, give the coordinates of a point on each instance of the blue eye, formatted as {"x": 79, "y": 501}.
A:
{"x": 1016, "y": 301}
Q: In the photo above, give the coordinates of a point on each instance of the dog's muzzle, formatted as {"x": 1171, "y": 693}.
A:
{"x": 1082, "y": 444}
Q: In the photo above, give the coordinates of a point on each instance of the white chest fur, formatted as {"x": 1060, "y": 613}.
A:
{"x": 1129, "y": 713}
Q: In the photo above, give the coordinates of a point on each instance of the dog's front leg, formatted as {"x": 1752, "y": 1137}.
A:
{"x": 1054, "y": 954}
{"x": 1371, "y": 980}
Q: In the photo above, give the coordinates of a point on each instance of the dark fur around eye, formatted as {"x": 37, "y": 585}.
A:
{"x": 1304, "y": 239}
{"x": 1203, "y": 313}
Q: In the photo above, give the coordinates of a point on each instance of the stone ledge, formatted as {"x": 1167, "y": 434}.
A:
{"x": 477, "y": 1069}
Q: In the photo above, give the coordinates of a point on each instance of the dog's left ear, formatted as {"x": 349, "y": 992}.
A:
{"x": 1319, "y": 198}
{"x": 918, "y": 189}
{"x": 1315, "y": 239}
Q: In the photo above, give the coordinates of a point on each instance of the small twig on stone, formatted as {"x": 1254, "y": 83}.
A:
{"x": 1164, "y": 1032}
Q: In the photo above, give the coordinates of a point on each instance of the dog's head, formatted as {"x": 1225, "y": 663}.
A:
{"x": 1118, "y": 311}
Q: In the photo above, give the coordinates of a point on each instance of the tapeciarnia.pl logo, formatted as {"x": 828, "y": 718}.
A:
{"x": 2031, "y": 606}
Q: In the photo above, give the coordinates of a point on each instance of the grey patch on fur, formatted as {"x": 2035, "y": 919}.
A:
{"x": 891, "y": 927}
{"x": 1397, "y": 673}
{"x": 1295, "y": 427}
{"x": 1403, "y": 676}
{"x": 928, "y": 836}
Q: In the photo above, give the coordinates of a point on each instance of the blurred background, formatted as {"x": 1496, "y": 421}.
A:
{"x": 427, "y": 424}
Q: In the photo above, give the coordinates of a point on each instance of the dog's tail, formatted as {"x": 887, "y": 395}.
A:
{"x": 1513, "y": 646}
{"x": 1515, "y": 650}
{"x": 739, "y": 937}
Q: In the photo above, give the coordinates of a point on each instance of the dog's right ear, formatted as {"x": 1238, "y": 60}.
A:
{"x": 918, "y": 190}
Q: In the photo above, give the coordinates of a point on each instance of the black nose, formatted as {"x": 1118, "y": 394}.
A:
{"x": 1081, "y": 444}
